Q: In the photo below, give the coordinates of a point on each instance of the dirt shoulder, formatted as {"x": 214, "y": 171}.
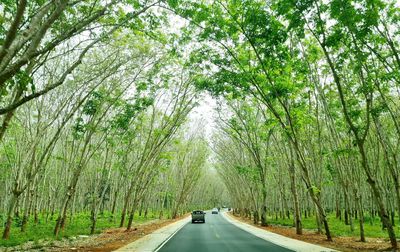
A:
{"x": 115, "y": 238}
{"x": 108, "y": 240}
{"x": 348, "y": 244}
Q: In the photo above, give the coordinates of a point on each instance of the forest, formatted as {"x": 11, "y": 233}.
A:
{"x": 98, "y": 124}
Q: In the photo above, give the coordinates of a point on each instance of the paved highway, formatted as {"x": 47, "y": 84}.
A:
{"x": 217, "y": 235}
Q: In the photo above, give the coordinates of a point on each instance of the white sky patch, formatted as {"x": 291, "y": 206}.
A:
{"x": 205, "y": 114}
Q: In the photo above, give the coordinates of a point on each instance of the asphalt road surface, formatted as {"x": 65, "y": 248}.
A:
{"x": 217, "y": 235}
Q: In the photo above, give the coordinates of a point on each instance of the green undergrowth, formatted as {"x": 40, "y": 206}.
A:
{"x": 78, "y": 225}
{"x": 372, "y": 227}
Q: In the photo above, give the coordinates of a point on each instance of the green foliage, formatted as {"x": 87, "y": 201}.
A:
{"x": 307, "y": 86}
{"x": 80, "y": 225}
{"x": 78, "y": 128}
{"x": 93, "y": 104}
{"x": 130, "y": 111}
{"x": 372, "y": 226}
{"x": 250, "y": 172}
{"x": 315, "y": 190}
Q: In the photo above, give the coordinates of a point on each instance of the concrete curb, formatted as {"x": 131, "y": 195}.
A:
{"x": 277, "y": 239}
{"x": 157, "y": 239}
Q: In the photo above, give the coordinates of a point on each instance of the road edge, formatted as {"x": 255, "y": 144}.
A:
{"x": 280, "y": 240}
{"x": 170, "y": 236}
{"x": 154, "y": 241}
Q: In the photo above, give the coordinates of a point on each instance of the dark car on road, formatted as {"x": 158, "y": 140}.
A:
{"x": 198, "y": 216}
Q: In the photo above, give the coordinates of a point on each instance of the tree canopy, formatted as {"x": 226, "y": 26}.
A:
{"x": 97, "y": 98}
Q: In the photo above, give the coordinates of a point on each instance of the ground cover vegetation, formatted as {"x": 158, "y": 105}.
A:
{"x": 95, "y": 98}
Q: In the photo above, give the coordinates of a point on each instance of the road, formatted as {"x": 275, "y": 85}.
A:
{"x": 217, "y": 235}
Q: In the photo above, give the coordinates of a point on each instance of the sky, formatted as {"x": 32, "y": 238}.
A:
{"x": 205, "y": 113}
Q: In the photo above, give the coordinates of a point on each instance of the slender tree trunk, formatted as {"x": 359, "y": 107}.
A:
{"x": 112, "y": 218}
{"x": 93, "y": 218}
{"x": 293, "y": 188}
{"x": 131, "y": 217}
{"x": 256, "y": 217}
{"x": 361, "y": 215}
{"x": 26, "y": 210}
{"x": 126, "y": 203}
{"x": 11, "y": 208}
{"x": 264, "y": 207}
{"x": 35, "y": 210}
{"x": 63, "y": 214}
{"x": 60, "y": 224}
{"x": 337, "y": 201}
{"x": 348, "y": 213}
{"x": 297, "y": 215}
{"x": 318, "y": 222}
{"x": 123, "y": 213}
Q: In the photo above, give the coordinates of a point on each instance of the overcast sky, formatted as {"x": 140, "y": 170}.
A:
{"x": 205, "y": 113}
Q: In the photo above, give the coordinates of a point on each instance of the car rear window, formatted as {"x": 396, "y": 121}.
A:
{"x": 197, "y": 212}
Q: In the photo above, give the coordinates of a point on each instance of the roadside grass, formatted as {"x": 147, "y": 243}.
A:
{"x": 372, "y": 227}
{"x": 79, "y": 224}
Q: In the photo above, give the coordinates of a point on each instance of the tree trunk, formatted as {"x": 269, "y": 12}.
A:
{"x": 125, "y": 207}
{"x": 131, "y": 216}
{"x": 94, "y": 220}
{"x": 318, "y": 222}
{"x": 361, "y": 215}
{"x": 112, "y": 218}
{"x": 63, "y": 212}
{"x": 256, "y": 217}
{"x": 297, "y": 214}
{"x": 7, "y": 228}
{"x": 264, "y": 208}
{"x": 28, "y": 205}
{"x": 35, "y": 213}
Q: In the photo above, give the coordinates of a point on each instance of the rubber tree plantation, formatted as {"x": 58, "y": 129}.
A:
{"x": 100, "y": 123}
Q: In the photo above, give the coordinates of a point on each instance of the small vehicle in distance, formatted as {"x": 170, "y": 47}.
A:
{"x": 198, "y": 216}
{"x": 214, "y": 211}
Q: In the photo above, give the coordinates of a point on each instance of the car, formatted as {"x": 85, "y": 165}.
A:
{"x": 198, "y": 216}
{"x": 214, "y": 211}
